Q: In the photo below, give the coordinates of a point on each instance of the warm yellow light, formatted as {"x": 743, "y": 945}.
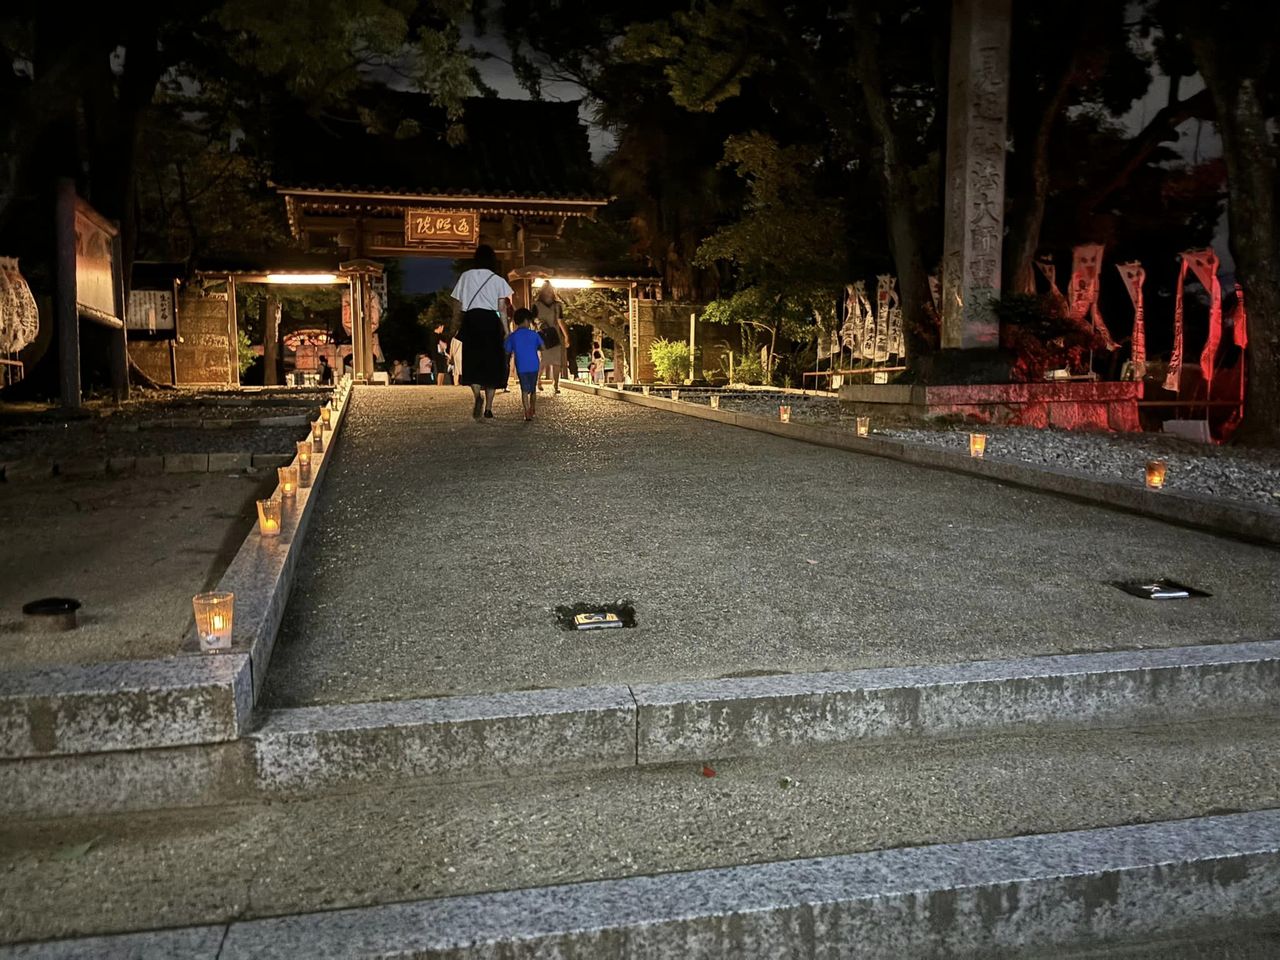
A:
{"x": 564, "y": 283}
{"x": 715, "y": 402}
{"x": 864, "y": 426}
{"x": 269, "y": 517}
{"x": 213, "y": 612}
{"x": 326, "y": 415}
{"x": 302, "y": 278}
{"x": 1155, "y": 474}
{"x": 288, "y": 481}
{"x": 784, "y": 412}
{"x": 218, "y": 621}
{"x": 977, "y": 445}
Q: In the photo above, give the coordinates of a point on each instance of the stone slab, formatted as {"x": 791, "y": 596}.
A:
{"x": 191, "y": 943}
{"x": 272, "y": 459}
{"x": 308, "y": 748}
{"x": 230, "y": 461}
{"x": 85, "y": 467}
{"x": 153, "y": 463}
{"x": 293, "y": 420}
{"x": 186, "y": 463}
{"x": 980, "y": 898}
{"x": 29, "y": 468}
{"x": 129, "y": 705}
{"x": 122, "y": 464}
{"x": 702, "y": 719}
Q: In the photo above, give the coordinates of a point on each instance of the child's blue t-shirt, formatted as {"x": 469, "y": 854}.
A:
{"x": 525, "y": 344}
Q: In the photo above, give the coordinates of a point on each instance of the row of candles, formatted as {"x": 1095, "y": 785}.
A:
{"x": 1155, "y": 473}
{"x": 215, "y": 611}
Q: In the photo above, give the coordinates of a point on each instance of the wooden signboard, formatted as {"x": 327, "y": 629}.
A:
{"x": 150, "y": 310}
{"x": 95, "y": 267}
{"x": 441, "y": 227}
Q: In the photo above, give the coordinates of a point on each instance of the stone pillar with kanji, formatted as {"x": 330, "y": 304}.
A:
{"x": 977, "y": 111}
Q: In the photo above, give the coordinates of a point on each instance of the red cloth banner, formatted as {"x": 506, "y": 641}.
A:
{"x": 1240, "y": 321}
{"x": 1086, "y": 275}
{"x": 1204, "y": 264}
{"x": 1174, "y": 377}
{"x": 1134, "y": 276}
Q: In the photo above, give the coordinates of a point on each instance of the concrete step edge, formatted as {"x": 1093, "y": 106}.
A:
{"x": 977, "y": 898}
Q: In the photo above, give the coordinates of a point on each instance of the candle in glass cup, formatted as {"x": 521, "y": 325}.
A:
{"x": 864, "y": 426}
{"x": 288, "y": 481}
{"x": 326, "y": 416}
{"x": 1156, "y": 470}
{"x": 269, "y": 517}
{"x": 715, "y": 401}
{"x": 317, "y": 435}
{"x": 977, "y": 445}
{"x": 214, "y": 615}
{"x": 784, "y": 412}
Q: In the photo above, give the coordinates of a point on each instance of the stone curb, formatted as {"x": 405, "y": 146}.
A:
{"x": 200, "y": 423}
{"x": 52, "y": 711}
{"x": 194, "y": 698}
{"x": 1259, "y": 524}
{"x": 490, "y": 735}
{"x": 310, "y": 748}
{"x": 1108, "y": 886}
{"x": 216, "y": 462}
{"x": 696, "y": 720}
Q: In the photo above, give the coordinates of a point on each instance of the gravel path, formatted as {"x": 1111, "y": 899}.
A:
{"x": 441, "y": 546}
{"x": 1232, "y": 473}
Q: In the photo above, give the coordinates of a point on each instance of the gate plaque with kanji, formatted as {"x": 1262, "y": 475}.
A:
{"x": 441, "y": 227}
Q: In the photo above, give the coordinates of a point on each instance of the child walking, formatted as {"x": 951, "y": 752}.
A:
{"x": 527, "y": 346}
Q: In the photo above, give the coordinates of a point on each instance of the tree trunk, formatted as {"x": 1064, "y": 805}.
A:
{"x": 1253, "y": 212}
{"x": 901, "y": 210}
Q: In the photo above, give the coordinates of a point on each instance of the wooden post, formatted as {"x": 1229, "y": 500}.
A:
{"x": 271, "y": 341}
{"x": 120, "y": 338}
{"x": 357, "y": 338}
{"x": 68, "y": 316}
{"x": 693, "y": 347}
{"x": 233, "y": 329}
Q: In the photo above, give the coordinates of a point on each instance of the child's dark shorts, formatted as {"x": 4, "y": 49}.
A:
{"x": 528, "y": 381}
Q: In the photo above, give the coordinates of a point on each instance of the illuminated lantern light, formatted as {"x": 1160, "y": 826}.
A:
{"x": 715, "y": 401}
{"x": 214, "y": 614}
{"x": 304, "y": 463}
{"x": 784, "y": 412}
{"x": 317, "y": 435}
{"x": 864, "y": 426}
{"x": 1156, "y": 470}
{"x": 977, "y": 445}
{"x": 269, "y": 517}
{"x": 288, "y": 481}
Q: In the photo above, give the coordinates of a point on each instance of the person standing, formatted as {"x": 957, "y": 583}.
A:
{"x": 440, "y": 343}
{"x": 424, "y": 369}
{"x": 326, "y": 372}
{"x": 550, "y": 313}
{"x": 485, "y": 299}
{"x": 526, "y": 347}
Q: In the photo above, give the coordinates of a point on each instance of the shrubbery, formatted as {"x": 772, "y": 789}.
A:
{"x": 671, "y": 360}
{"x": 748, "y": 370}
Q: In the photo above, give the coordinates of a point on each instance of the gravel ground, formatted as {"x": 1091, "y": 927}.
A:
{"x": 109, "y": 431}
{"x": 1232, "y": 473}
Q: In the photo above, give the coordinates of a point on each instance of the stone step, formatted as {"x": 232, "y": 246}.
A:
{"x": 301, "y": 750}
{"x": 427, "y": 840}
{"x": 1006, "y": 897}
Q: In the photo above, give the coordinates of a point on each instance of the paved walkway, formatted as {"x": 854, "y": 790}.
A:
{"x": 442, "y": 546}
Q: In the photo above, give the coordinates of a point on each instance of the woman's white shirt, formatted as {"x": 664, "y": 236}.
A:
{"x": 481, "y": 290}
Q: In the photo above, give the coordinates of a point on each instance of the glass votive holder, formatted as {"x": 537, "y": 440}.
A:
{"x": 214, "y": 612}
{"x": 1156, "y": 470}
{"x": 304, "y": 455}
{"x": 864, "y": 426}
{"x": 977, "y": 445}
{"x": 715, "y": 401}
{"x": 645, "y": 389}
{"x": 317, "y": 435}
{"x": 326, "y": 416}
{"x": 269, "y": 517}
{"x": 288, "y": 481}
{"x": 675, "y": 394}
{"x": 784, "y": 412}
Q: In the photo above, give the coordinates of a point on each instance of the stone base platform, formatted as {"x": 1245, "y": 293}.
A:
{"x": 1068, "y": 406}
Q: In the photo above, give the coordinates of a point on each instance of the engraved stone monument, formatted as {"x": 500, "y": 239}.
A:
{"x": 974, "y": 227}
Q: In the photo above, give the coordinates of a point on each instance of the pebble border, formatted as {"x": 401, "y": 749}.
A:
{"x": 1255, "y": 524}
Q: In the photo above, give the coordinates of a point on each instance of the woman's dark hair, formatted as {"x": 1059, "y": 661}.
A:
{"x": 485, "y": 258}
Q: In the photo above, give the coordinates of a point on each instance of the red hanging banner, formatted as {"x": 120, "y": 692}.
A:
{"x": 1134, "y": 276}
{"x": 1240, "y": 321}
{"x": 1204, "y": 264}
{"x": 1174, "y": 377}
{"x": 1086, "y": 267}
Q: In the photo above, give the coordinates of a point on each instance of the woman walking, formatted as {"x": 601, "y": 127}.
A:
{"x": 550, "y": 313}
{"x": 485, "y": 299}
